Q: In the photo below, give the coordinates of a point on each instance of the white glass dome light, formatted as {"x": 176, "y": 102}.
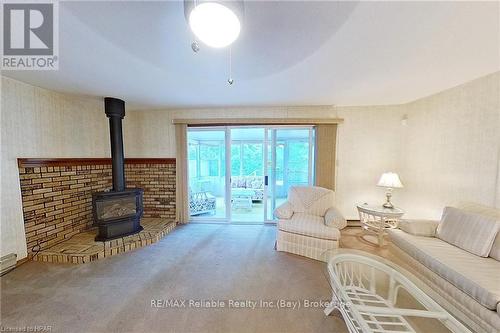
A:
{"x": 214, "y": 24}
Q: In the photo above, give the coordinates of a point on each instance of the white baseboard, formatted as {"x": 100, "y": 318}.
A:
{"x": 8, "y": 263}
{"x": 353, "y": 223}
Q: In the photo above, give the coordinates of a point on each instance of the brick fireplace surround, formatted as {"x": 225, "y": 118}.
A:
{"x": 57, "y": 193}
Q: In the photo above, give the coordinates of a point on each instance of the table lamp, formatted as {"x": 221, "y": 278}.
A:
{"x": 389, "y": 180}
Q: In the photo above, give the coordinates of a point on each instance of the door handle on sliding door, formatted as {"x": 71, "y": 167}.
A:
{"x": 266, "y": 180}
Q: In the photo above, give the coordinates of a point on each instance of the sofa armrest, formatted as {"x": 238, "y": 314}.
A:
{"x": 333, "y": 218}
{"x": 284, "y": 211}
{"x": 425, "y": 228}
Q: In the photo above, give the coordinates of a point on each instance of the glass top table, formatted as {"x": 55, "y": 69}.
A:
{"x": 376, "y": 219}
{"x": 374, "y": 294}
{"x": 396, "y": 211}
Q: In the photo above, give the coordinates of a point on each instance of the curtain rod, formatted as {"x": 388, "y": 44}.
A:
{"x": 257, "y": 121}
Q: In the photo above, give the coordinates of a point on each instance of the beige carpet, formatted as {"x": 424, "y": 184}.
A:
{"x": 197, "y": 262}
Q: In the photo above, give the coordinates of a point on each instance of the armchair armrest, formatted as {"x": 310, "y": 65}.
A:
{"x": 333, "y": 218}
{"x": 425, "y": 228}
{"x": 284, "y": 211}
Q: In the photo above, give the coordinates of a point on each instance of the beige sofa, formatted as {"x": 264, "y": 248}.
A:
{"x": 458, "y": 259}
{"x": 308, "y": 222}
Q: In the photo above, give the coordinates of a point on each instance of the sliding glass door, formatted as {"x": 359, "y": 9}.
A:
{"x": 241, "y": 174}
{"x": 290, "y": 163}
{"x": 247, "y": 174}
{"x": 207, "y": 174}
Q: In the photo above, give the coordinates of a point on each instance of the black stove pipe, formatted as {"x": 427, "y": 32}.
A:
{"x": 115, "y": 111}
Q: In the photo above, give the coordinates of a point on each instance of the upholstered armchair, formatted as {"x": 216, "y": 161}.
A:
{"x": 308, "y": 222}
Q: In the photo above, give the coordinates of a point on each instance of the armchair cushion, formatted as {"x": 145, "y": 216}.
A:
{"x": 284, "y": 211}
{"x": 425, "y": 228}
{"x": 309, "y": 225}
{"x": 333, "y": 218}
{"x": 311, "y": 199}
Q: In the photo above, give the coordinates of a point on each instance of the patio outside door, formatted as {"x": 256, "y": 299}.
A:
{"x": 290, "y": 162}
{"x": 248, "y": 174}
{"x": 241, "y": 174}
{"x": 207, "y": 177}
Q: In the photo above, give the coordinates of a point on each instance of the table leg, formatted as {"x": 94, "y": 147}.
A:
{"x": 381, "y": 237}
{"x": 329, "y": 309}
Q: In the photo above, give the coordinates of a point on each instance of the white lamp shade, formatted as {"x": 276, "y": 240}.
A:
{"x": 390, "y": 179}
{"x": 214, "y": 24}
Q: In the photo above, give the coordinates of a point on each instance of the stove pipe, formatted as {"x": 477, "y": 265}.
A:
{"x": 115, "y": 111}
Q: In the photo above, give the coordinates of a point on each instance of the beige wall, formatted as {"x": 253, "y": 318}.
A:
{"x": 149, "y": 134}
{"x": 40, "y": 123}
{"x": 368, "y": 145}
{"x": 451, "y": 148}
{"x": 498, "y": 182}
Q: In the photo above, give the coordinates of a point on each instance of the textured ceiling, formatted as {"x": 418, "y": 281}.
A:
{"x": 289, "y": 53}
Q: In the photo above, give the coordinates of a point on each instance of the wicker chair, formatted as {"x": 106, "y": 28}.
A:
{"x": 201, "y": 203}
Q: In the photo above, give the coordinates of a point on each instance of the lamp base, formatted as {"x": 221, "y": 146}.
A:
{"x": 388, "y": 205}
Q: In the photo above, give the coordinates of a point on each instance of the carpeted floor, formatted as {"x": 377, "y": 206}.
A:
{"x": 194, "y": 262}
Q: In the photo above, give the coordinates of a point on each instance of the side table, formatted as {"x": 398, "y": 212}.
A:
{"x": 376, "y": 219}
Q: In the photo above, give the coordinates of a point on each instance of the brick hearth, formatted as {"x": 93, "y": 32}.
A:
{"x": 82, "y": 248}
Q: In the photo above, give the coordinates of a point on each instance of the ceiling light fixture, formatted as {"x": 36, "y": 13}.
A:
{"x": 215, "y": 23}
{"x": 230, "y": 79}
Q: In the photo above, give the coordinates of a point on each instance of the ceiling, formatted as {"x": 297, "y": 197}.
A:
{"x": 289, "y": 53}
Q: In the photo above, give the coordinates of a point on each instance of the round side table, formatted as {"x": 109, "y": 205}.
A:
{"x": 376, "y": 219}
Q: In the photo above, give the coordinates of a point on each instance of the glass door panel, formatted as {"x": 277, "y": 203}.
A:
{"x": 272, "y": 172}
{"x": 207, "y": 173}
{"x": 290, "y": 163}
{"x": 247, "y": 174}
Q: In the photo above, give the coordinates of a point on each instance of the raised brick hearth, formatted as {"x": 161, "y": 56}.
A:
{"x": 82, "y": 248}
{"x": 57, "y": 194}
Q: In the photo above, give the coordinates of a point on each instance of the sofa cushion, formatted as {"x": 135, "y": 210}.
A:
{"x": 255, "y": 183}
{"x": 238, "y": 182}
{"x": 311, "y": 199}
{"x": 419, "y": 227}
{"x": 475, "y": 276}
{"x": 495, "y": 249}
{"x": 468, "y": 230}
{"x": 309, "y": 225}
{"x": 486, "y": 211}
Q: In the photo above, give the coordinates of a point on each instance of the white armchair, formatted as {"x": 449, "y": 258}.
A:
{"x": 308, "y": 222}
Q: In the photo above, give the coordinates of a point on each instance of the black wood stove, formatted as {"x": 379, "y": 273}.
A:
{"x": 117, "y": 212}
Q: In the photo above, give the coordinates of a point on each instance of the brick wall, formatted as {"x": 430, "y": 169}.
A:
{"x": 158, "y": 182}
{"x": 57, "y": 200}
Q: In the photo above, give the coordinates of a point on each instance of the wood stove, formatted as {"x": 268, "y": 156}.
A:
{"x": 117, "y": 212}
